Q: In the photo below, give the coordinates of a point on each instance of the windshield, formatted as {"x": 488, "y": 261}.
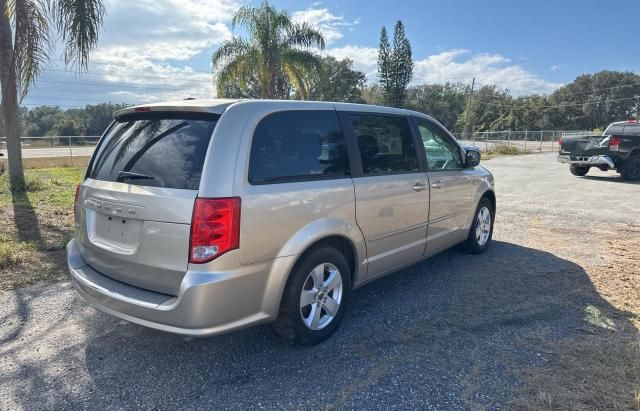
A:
{"x": 155, "y": 149}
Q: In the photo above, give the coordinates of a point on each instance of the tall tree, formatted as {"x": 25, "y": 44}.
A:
{"x": 402, "y": 64}
{"x": 337, "y": 81}
{"x": 276, "y": 54}
{"x": 395, "y": 65}
{"x": 445, "y": 102}
{"x": 28, "y": 32}
{"x": 385, "y": 64}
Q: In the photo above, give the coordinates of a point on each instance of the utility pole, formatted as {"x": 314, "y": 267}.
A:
{"x": 466, "y": 119}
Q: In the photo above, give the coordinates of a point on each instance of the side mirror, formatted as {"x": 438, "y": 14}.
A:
{"x": 472, "y": 157}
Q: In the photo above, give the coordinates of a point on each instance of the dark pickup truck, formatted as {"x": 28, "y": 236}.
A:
{"x": 618, "y": 148}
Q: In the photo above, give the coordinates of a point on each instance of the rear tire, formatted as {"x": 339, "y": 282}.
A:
{"x": 579, "y": 171}
{"x": 481, "y": 231}
{"x": 631, "y": 168}
{"x": 315, "y": 298}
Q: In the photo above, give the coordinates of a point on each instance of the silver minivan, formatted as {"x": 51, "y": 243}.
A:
{"x": 202, "y": 217}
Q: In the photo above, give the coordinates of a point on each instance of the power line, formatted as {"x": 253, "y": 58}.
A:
{"x": 109, "y": 84}
{"x": 66, "y": 98}
{"x": 52, "y": 105}
{"x": 136, "y": 86}
{"x": 573, "y": 93}
{"x": 120, "y": 66}
{"x": 96, "y": 73}
{"x": 560, "y": 105}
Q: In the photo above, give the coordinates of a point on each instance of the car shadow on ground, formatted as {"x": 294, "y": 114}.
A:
{"x": 611, "y": 178}
{"x": 455, "y": 331}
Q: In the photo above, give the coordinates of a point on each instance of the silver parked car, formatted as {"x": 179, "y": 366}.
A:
{"x": 202, "y": 217}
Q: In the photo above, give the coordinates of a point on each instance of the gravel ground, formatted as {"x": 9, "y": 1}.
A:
{"x": 454, "y": 332}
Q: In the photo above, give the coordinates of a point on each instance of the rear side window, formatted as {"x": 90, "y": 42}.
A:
{"x": 298, "y": 145}
{"x": 386, "y": 144}
{"x": 614, "y": 129}
{"x": 155, "y": 149}
{"x": 632, "y": 130}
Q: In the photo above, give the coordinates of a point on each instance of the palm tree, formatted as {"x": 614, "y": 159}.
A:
{"x": 29, "y": 30}
{"x": 276, "y": 54}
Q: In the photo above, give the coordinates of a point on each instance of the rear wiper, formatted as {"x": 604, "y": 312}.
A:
{"x": 128, "y": 175}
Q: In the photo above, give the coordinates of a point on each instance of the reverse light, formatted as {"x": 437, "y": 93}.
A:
{"x": 215, "y": 228}
{"x": 614, "y": 143}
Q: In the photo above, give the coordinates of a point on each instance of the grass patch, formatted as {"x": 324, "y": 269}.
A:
{"x": 13, "y": 254}
{"x": 45, "y": 187}
{"x": 504, "y": 150}
{"x": 37, "y": 224}
{"x": 50, "y": 162}
{"x": 598, "y": 366}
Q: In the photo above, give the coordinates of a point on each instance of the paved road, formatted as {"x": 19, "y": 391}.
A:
{"x": 53, "y": 152}
{"x": 87, "y": 151}
{"x": 454, "y": 332}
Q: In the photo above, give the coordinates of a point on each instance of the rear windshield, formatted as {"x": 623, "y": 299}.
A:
{"x": 155, "y": 149}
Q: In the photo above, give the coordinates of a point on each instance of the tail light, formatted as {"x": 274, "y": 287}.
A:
{"x": 215, "y": 228}
{"x": 614, "y": 143}
{"x": 75, "y": 199}
{"x": 560, "y": 142}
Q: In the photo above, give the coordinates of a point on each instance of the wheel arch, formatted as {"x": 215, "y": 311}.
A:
{"x": 634, "y": 152}
{"x": 346, "y": 238}
{"x": 491, "y": 195}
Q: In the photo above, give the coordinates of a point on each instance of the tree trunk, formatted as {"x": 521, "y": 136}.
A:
{"x": 10, "y": 102}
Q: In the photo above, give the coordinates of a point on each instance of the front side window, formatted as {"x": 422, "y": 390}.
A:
{"x": 442, "y": 153}
{"x": 155, "y": 149}
{"x": 298, "y": 146}
{"x": 385, "y": 142}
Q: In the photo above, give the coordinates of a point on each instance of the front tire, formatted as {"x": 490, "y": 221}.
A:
{"x": 631, "y": 168}
{"x": 579, "y": 171}
{"x": 481, "y": 231}
{"x": 315, "y": 298}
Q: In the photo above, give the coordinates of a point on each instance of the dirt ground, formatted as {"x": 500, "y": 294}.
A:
{"x": 548, "y": 318}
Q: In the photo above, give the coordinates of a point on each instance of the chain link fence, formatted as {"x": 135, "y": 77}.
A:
{"x": 532, "y": 141}
{"x": 81, "y": 147}
{"x": 64, "y": 148}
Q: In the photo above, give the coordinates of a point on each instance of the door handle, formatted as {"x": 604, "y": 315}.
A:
{"x": 419, "y": 187}
{"x": 437, "y": 184}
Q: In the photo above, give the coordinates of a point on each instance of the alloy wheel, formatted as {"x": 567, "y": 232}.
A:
{"x": 321, "y": 296}
{"x": 483, "y": 226}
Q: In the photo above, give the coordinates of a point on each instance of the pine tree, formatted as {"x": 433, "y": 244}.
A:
{"x": 395, "y": 66}
{"x": 384, "y": 65}
{"x": 402, "y": 64}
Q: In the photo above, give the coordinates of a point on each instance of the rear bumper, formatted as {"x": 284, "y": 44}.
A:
{"x": 587, "y": 160}
{"x": 208, "y": 303}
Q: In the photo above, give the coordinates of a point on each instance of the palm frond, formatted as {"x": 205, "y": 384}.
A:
{"x": 239, "y": 70}
{"x": 245, "y": 16}
{"x": 274, "y": 55}
{"x": 78, "y": 22}
{"x": 304, "y": 35}
{"x": 230, "y": 50}
{"x": 306, "y": 61}
{"x": 301, "y": 66}
{"x": 32, "y": 42}
{"x": 297, "y": 79}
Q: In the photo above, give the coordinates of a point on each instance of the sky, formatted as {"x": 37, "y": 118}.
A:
{"x": 153, "y": 50}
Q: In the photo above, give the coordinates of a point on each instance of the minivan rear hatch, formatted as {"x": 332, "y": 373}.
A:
{"x": 134, "y": 208}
